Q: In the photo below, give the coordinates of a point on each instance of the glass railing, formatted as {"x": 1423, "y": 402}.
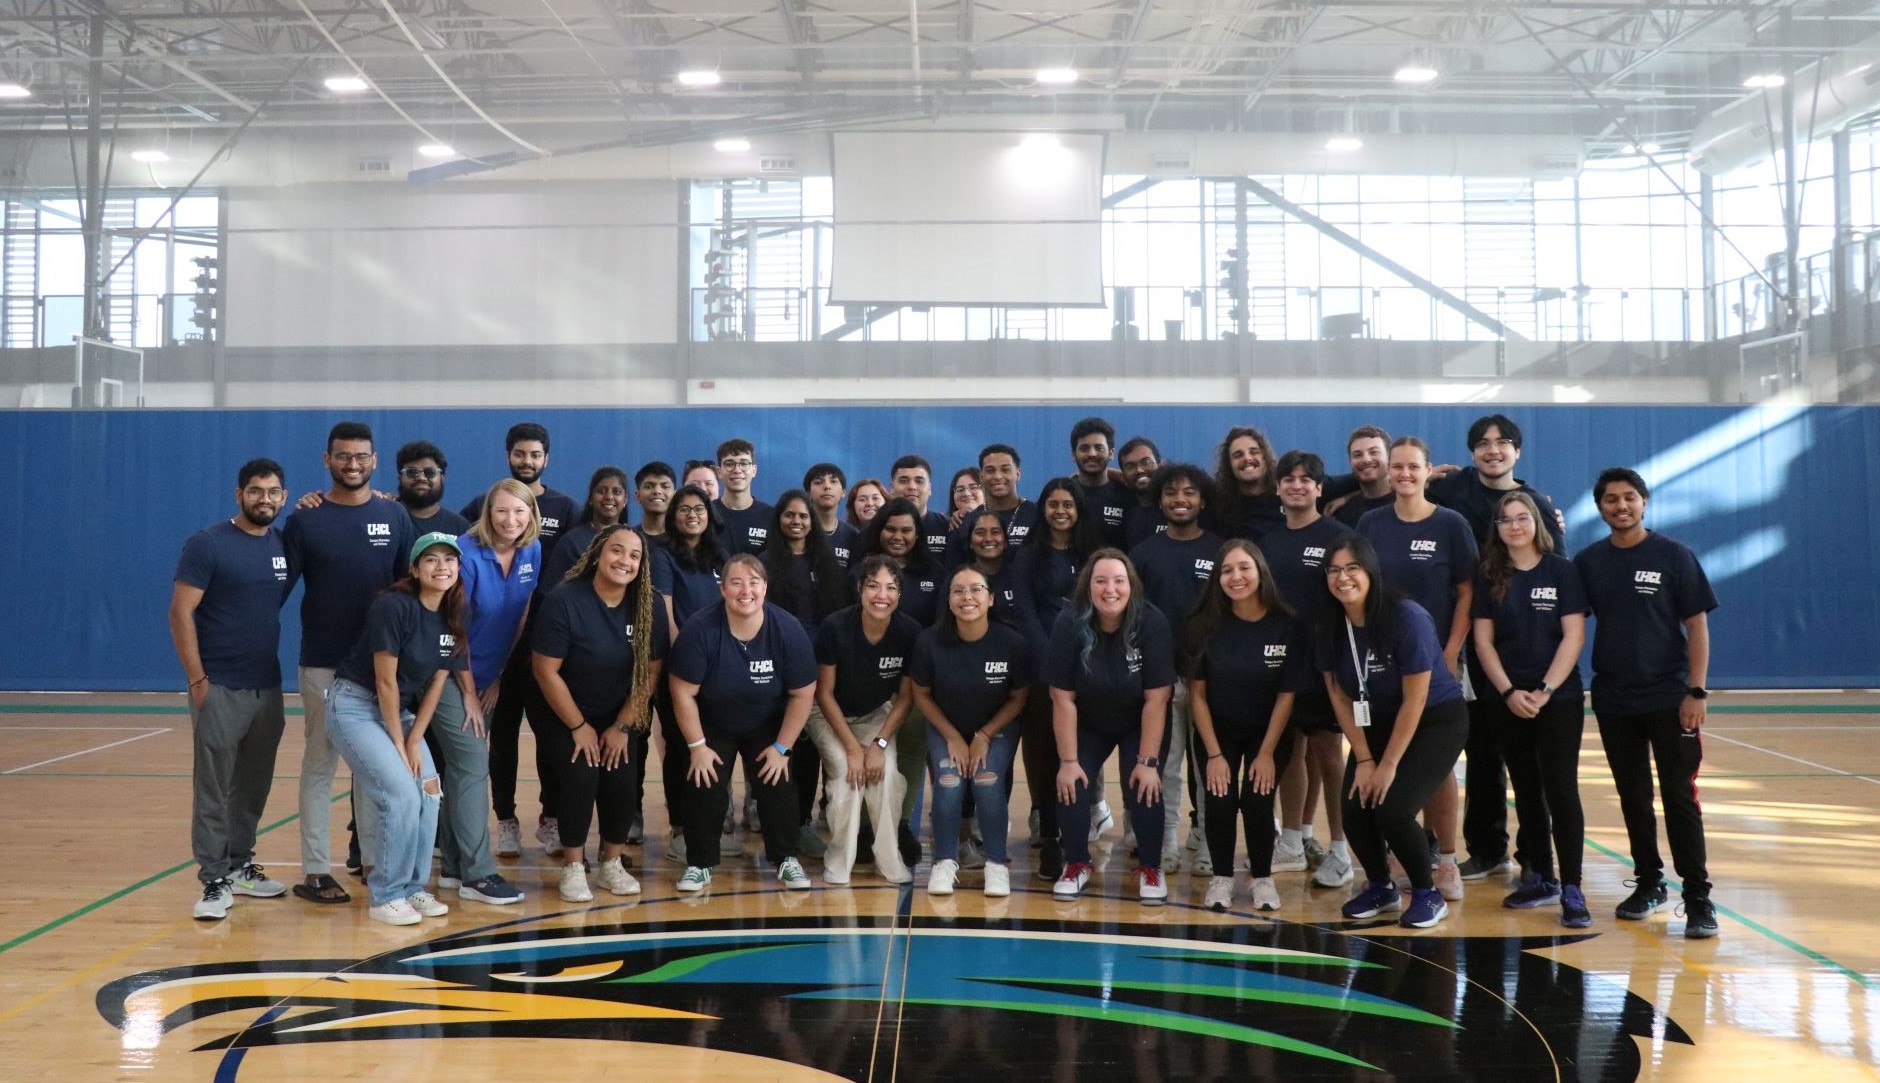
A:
{"x": 150, "y": 320}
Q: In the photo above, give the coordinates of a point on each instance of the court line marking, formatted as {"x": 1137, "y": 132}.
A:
{"x": 87, "y": 751}
{"x": 74, "y": 729}
{"x": 1795, "y": 759}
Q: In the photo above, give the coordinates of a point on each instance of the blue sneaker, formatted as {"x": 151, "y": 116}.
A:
{"x": 1647, "y": 896}
{"x": 1573, "y": 911}
{"x": 1531, "y": 891}
{"x": 492, "y": 889}
{"x": 1378, "y": 897}
{"x": 1426, "y": 909}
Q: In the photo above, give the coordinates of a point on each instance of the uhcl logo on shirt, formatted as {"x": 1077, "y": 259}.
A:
{"x": 936, "y": 541}
{"x": 1312, "y": 556}
{"x": 996, "y": 672}
{"x": 280, "y": 569}
{"x": 1544, "y": 599}
{"x": 446, "y": 645}
{"x": 890, "y": 665}
{"x": 1113, "y": 516}
{"x": 1204, "y": 568}
{"x": 551, "y": 526}
{"x": 526, "y": 574}
{"x": 1133, "y": 658}
{"x": 1015, "y": 534}
{"x": 379, "y": 534}
{"x": 757, "y": 533}
{"x": 841, "y": 553}
{"x": 1648, "y": 582}
{"x": 762, "y": 670}
{"x": 1422, "y": 549}
{"x": 1275, "y": 655}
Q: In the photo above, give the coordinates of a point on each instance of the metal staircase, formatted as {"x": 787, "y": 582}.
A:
{"x": 19, "y": 276}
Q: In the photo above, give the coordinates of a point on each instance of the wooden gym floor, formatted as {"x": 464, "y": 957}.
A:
{"x": 103, "y": 974}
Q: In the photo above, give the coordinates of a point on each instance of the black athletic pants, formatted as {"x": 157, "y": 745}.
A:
{"x": 705, "y": 806}
{"x": 1543, "y": 757}
{"x": 1432, "y": 753}
{"x": 1484, "y": 782}
{"x": 1633, "y": 743}
{"x": 518, "y": 696}
{"x": 584, "y": 787}
{"x": 1242, "y": 804}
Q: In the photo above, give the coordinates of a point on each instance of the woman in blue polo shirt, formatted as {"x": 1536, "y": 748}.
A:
{"x": 1530, "y": 623}
{"x": 1111, "y": 668}
{"x": 384, "y": 694}
{"x": 743, "y": 675}
{"x": 502, "y": 561}
{"x": 971, "y": 675}
{"x": 597, "y": 649}
{"x": 1402, "y": 712}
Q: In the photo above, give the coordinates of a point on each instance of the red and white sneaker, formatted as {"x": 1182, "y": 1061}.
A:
{"x": 1150, "y": 889}
{"x": 1076, "y": 875}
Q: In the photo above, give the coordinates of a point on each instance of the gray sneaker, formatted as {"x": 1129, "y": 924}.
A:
{"x": 252, "y": 879}
{"x": 216, "y": 899}
{"x": 1315, "y": 852}
{"x": 1334, "y": 871}
{"x": 972, "y": 853}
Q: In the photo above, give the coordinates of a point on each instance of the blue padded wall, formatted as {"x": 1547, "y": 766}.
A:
{"x": 102, "y": 501}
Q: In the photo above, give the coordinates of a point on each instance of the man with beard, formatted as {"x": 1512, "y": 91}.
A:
{"x": 1102, "y": 498}
{"x": 225, "y": 619}
{"x": 527, "y": 447}
{"x": 421, "y": 469}
{"x": 1248, "y": 503}
{"x": 653, "y": 486}
{"x": 1138, "y": 460}
{"x": 347, "y": 549}
{"x": 1368, "y": 450}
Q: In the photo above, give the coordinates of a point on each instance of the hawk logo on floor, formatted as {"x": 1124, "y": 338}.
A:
{"x": 1315, "y": 1000}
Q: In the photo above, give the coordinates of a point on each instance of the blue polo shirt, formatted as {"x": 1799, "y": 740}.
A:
{"x": 497, "y": 603}
{"x": 243, "y": 579}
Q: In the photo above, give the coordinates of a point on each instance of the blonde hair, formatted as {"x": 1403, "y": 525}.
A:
{"x": 484, "y": 529}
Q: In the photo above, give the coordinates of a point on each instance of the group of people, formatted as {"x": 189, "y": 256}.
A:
{"x": 1259, "y": 638}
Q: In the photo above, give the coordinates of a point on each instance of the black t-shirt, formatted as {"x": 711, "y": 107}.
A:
{"x": 920, "y": 592}
{"x": 1426, "y": 560}
{"x": 1527, "y": 619}
{"x": 1107, "y": 504}
{"x": 559, "y": 512}
{"x": 1140, "y": 521}
{"x": 567, "y": 551}
{"x": 243, "y": 579}
{"x": 844, "y": 540}
{"x": 691, "y": 589}
{"x": 867, "y": 674}
{"x": 1247, "y": 664}
{"x": 1415, "y": 647}
{"x": 595, "y": 643}
{"x": 971, "y": 681}
{"x": 1175, "y": 572}
{"x": 744, "y": 531}
{"x": 1354, "y": 509}
{"x": 1641, "y": 598}
{"x": 1111, "y": 689}
{"x": 397, "y": 623}
{"x": 347, "y": 553}
{"x": 743, "y": 687}
{"x": 1297, "y": 558}
{"x": 1051, "y": 575}
{"x": 1259, "y": 516}
{"x": 1021, "y": 522}
{"x": 442, "y": 520}
{"x": 935, "y": 531}
{"x": 1464, "y": 493}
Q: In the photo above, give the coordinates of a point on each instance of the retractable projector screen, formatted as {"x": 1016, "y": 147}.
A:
{"x": 967, "y": 218}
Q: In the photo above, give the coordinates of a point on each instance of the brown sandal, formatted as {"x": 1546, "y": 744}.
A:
{"x": 320, "y": 888}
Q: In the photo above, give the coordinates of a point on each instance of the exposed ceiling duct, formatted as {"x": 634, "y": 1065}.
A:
{"x": 1827, "y": 95}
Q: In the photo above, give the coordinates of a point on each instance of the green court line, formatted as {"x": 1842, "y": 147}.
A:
{"x": 109, "y": 708}
{"x": 107, "y": 900}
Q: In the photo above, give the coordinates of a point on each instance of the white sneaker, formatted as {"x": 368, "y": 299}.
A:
{"x": 1100, "y": 819}
{"x": 574, "y": 885}
{"x": 972, "y": 853}
{"x": 1265, "y": 895}
{"x": 1076, "y": 875}
{"x": 548, "y": 833}
{"x": 508, "y": 838}
{"x": 1150, "y": 887}
{"x": 396, "y": 912}
{"x": 791, "y": 875}
{"x": 252, "y": 879}
{"x": 946, "y": 872}
{"x": 1448, "y": 880}
{"x": 614, "y": 876}
{"x": 998, "y": 880}
{"x": 695, "y": 879}
{"x": 448, "y": 883}
{"x": 217, "y": 897}
{"x": 1334, "y": 871}
{"x": 1220, "y": 894}
{"x": 426, "y": 904}
{"x": 1289, "y": 858}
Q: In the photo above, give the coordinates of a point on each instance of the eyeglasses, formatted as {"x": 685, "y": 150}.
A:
{"x": 1500, "y": 444}
{"x": 1333, "y": 571}
{"x": 255, "y": 493}
{"x": 428, "y": 473}
{"x": 961, "y": 489}
{"x": 738, "y": 464}
{"x": 347, "y": 458}
{"x": 967, "y": 591}
{"x": 689, "y": 509}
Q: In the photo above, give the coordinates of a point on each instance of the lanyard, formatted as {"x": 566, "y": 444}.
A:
{"x": 1357, "y": 663}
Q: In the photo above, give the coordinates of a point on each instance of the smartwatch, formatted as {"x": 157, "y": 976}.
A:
{"x": 1546, "y": 689}
{"x": 882, "y": 743}
{"x": 1148, "y": 761}
{"x": 782, "y": 750}
{"x": 1698, "y": 691}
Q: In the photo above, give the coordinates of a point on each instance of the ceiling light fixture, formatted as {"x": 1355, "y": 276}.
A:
{"x": 698, "y": 78}
{"x": 1057, "y": 76}
{"x": 14, "y": 90}
{"x": 149, "y": 156}
{"x": 1417, "y": 73}
{"x": 347, "y": 84}
{"x": 732, "y": 146}
{"x": 1338, "y": 144}
{"x": 437, "y": 150}
{"x": 1766, "y": 81}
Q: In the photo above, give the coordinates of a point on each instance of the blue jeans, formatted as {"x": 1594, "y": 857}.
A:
{"x": 989, "y": 796}
{"x": 407, "y": 814}
{"x": 1074, "y": 819}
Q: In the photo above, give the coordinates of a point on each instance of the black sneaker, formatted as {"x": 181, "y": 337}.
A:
{"x": 1477, "y": 869}
{"x": 1050, "y": 860}
{"x": 1647, "y": 896}
{"x": 1700, "y": 918}
{"x": 910, "y": 847}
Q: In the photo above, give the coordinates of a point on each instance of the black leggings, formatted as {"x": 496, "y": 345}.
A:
{"x": 1543, "y": 756}
{"x": 582, "y": 787}
{"x": 705, "y": 806}
{"x": 519, "y": 695}
{"x": 673, "y": 764}
{"x": 1433, "y": 750}
{"x": 1038, "y": 745}
{"x": 1242, "y": 802}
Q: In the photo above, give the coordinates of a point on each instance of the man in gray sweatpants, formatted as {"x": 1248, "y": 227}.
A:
{"x": 225, "y": 619}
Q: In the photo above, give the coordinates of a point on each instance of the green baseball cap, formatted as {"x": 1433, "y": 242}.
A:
{"x": 435, "y": 537}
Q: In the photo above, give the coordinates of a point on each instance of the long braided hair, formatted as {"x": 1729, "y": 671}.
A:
{"x": 641, "y": 596}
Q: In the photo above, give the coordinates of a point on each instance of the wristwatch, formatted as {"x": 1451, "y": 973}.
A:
{"x": 882, "y": 743}
{"x": 1546, "y": 689}
{"x": 781, "y": 749}
{"x": 1148, "y": 761}
{"x": 1698, "y": 691}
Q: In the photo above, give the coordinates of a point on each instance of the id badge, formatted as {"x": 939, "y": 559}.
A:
{"x": 1361, "y": 713}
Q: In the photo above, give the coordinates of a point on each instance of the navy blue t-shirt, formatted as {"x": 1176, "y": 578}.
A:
{"x": 442, "y": 520}
{"x": 1140, "y": 522}
{"x": 1012, "y": 604}
{"x": 844, "y": 540}
{"x": 867, "y": 674}
{"x": 1106, "y": 504}
{"x": 1641, "y": 598}
{"x": 1248, "y": 664}
{"x": 1297, "y": 559}
{"x": 1051, "y": 575}
{"x": 743, "y": 531}
{"x": 934, "y": 531}
{"x": 1175, "y": 572}
{"x": 1020, "y": 521}
{"x": 398, "y": 623}
{"x": 691, "y": 589}
{"x": 1415, "y": 648}
{"x": 243, "y": 579}
{"x": 566, "y": 552}
{"x": 743, "y": 687}
{"x": 1355, "y": 509}
{"x": 1110, "y": 690}
{"x": 1259, "y": 516}
{"x": 971, "y": 681}
{"x": 1425, "y": 560}
{"x": 595, "y": 642}
{"x": 1464, "y": 492}
{"x": 559, "y": 511}
{"x": 1527, "y": 619}
{"x": 347, "y": 554}
{"x": 920, "y": 592}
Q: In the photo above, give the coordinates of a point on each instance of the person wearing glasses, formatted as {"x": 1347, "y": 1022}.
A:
{"x": 745, "y": 519}
{"x": 964, "y": 494}
{"x": 686, "y": 570}
{"x": 1400, "y": 707}
{"x": 421, "y": 470}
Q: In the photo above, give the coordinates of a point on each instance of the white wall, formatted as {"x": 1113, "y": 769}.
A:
{"x": 374, "y": 265}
